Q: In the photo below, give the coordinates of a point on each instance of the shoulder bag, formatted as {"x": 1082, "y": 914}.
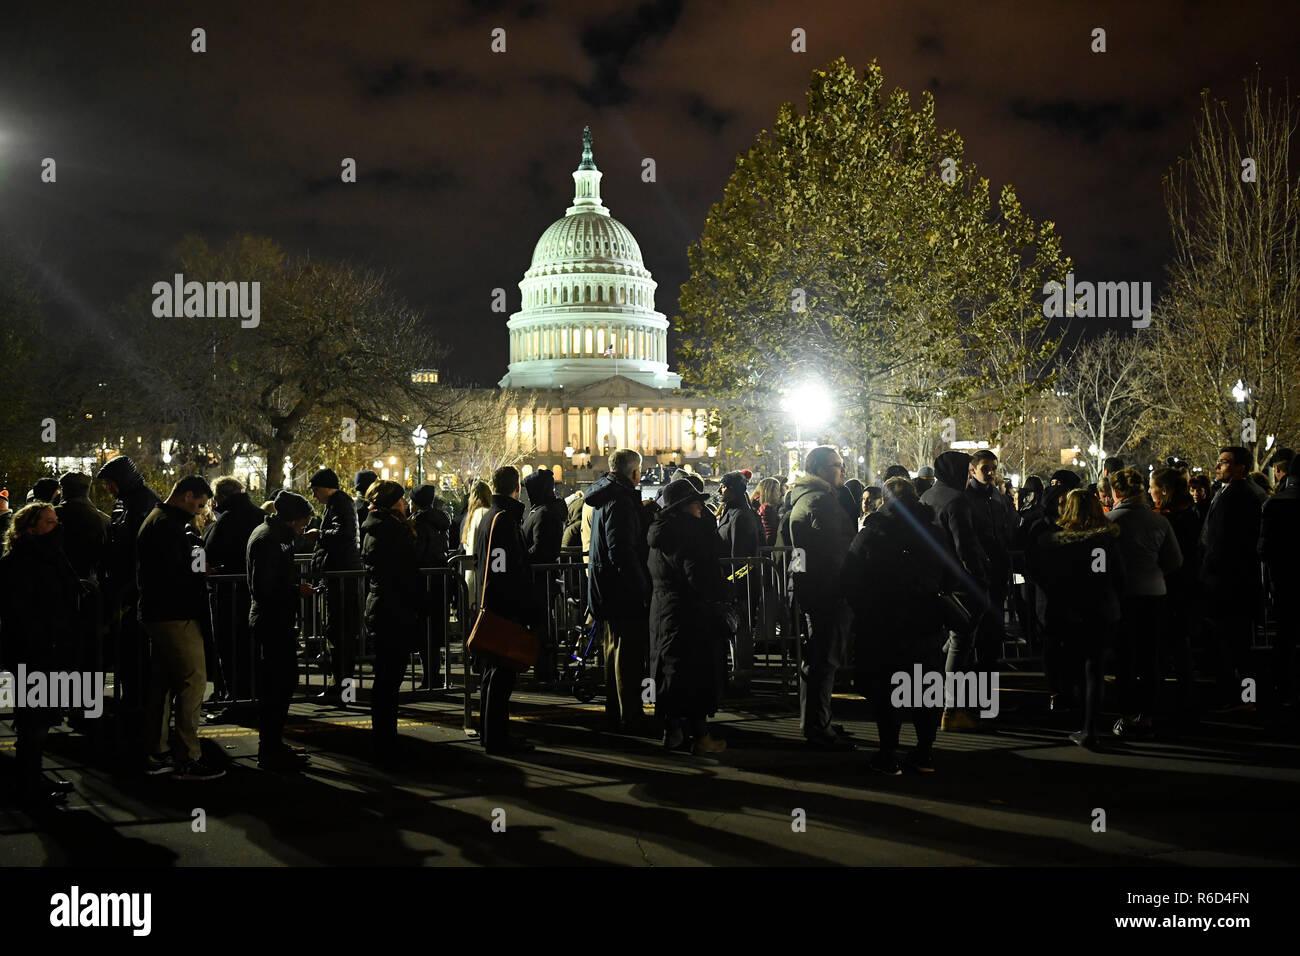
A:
{"x": 512, "y": 644}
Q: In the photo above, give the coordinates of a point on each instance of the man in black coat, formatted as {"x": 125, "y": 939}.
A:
{"x": 954, "y": 512}
{"x": 338, "y": 548}
{"x": 276, "y": 592}
{"x": 173, "y": 601}
{"x": 544, "y": 521}
{"x": 135, "y": 501}
{"x": 507, "y": 590}
{"x": 994, "y": 529}
{"x": 362, "y": 482}
{"x": 85, "y": 540}
{"x": 225, "y": 542}
{"x": 618, "y": 586}
{"x": 1230, "y": 573}
{"x": 740, "y": 531}
{"x": 1279, "y": 549}
{"x": 432, "y": 544}
{"x": 815, "y": 524}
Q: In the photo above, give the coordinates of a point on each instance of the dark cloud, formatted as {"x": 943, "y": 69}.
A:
{"x": 1091, "y": 121}
{"x": 432, "y": 178}
{"x": 711, "y": 117}
{"x": 616, "y": 41}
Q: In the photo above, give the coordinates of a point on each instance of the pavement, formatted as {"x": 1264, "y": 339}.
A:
{"x": 1014, "y": 793}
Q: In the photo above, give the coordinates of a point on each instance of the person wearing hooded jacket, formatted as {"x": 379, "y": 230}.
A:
{"x": 39, "y": 620}
{"x": 543, "y": 531}
{"x": 395, "y": 597}
{"x": 820, "y": 531}
{"x": 134, "y": 502}
{"x": 275, "y": 593}
{"x": 994, "y": 525}
{"x": 954, "y": 513}
{"x": 432, "y": 544}
{"x": 685, "y": 615}
{"x": 618, "y": 586}
{"x": 894, "y": 573}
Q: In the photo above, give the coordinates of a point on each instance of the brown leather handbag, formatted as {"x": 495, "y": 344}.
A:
{"x": 513, "y": 645}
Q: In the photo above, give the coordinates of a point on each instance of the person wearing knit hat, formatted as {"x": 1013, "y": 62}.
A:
{"x": 362, "y": 482}
{"x": 925, "y": 471}
{"x": 896, "y": 471}
{"x": 749, "y": 475}
{"x": 85, "y": 531}
{"x": 1067, "y": 479}
{"x": 135, "y": 502}
{"x": 276, "y": 591}
{"x": 338, "y": 548}
{"x": 46, "y": 489}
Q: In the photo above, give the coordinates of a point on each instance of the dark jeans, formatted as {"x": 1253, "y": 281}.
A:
{"x": 1230, "y": 637}
{"x": 235, "y": 646}
{"x": 823, "y": 652}
{"x": 1080, "y": 664}
{"x": 278, "y": 646}
{"x": 32, "y": 727}
{"x": 342, "y": 624}
{"x": 391, "y": 658}
{"x": 889, "y": 719}
{"x": 1137, "y": 658}
{"x": 498, "y": 683}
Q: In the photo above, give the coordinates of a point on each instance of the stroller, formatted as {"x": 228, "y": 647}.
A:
{"x": 584, "y": 671}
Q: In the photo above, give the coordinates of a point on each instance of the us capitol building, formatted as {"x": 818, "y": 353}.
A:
{"x": 588, "y": 351}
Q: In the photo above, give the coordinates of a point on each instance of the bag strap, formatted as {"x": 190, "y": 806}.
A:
{"x": 491, "y": 528}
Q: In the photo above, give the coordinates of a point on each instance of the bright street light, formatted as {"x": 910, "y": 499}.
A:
{"x": 1240, "y": 392}
{"x": 808, "y": 404}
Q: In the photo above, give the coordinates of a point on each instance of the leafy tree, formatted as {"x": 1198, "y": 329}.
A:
{"x": 855, "y": 248}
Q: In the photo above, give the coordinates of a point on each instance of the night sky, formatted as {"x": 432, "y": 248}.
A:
{"x": 464, "y": 156}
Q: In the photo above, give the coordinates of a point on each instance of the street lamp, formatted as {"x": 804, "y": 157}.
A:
{"x": 807, "y": 404}
{"x": 1240, "y": 392}
{"x": 420, "y": 437}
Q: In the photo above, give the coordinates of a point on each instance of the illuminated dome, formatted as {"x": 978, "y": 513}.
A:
{"x": 588, "y": 301}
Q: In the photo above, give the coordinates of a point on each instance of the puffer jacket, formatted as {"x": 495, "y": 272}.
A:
{"x": 816, "y": 525}
{"x": 954, "y": 513}
{"x": 618, "y": 581}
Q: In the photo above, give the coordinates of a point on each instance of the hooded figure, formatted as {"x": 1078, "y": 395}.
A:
{"x": 544, "y": 523}
{"x": 572, "y": 536}
{"x": 954, "y": 513}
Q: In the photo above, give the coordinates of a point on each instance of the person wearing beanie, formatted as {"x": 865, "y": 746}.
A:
{"x": 338, "y": 548}
{"x": 275, "y": 595}
{"x": 134, "y": 502}
{"x": 226, "y": 542}
{"x": 46, "y": 489}
{"x": 173, "y": 605}
{"x": 688, "y": 597}
{"x": 432, "y": 544}
{"x": 85, "y": 527}
{"x": 896, "y": 471}
{"x": 1067, "y": 479}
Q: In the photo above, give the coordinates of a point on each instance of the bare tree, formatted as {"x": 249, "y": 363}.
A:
{"x": 1231, "y": 313}
{"x": 1104, "y": 386}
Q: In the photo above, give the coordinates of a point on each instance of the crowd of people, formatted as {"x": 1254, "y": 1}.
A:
{"x": 918, "y": 572}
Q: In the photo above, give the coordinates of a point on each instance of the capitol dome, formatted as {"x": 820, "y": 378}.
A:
{"x": 588, "y": 301}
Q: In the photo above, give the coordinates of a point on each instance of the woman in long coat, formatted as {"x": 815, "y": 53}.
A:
{"x": 686, "y": 620}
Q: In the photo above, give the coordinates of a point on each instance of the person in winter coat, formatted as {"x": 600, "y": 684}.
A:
{"x": 954, "y": 514}
{"x": 851, "y": 496}
{"x": 740, "y": 531}
{"x": 995, "y": 527}
{"x": 1230, "y": 568}
{"x": 739, "y": 527}
{"x": 38, "y": 621}
{"x": 135, "y": 501}
{"x": 769, "y": 509}
{"x": 820, "y": 531}
{"x": 225, "y": 543}
{"x": 395, "y": 597}
{"x": 432, "y": 545}
{"x": 85, "y": 541}
{"x": 275, "y": 593}
{"x": 479, "y": 504}
{"x": 1081, "y": 569}
{"x": 618, "y": 586}
{"x": 338, "y": 548}
{"x": 506, "y": 589}
{"x": 544, "y": 522}
{"x": 362, "y": 482}
{"x": 1279, "y": 549}
{"x": 894, "y": 573}
{"x": 1150, "y": 550}
{"x": 686, "y": 630}
{"x": 1183, "y": 613}
{"x": 572, "y": 537}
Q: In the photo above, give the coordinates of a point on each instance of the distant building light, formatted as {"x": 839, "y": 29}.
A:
{"x": 425, "y": 376}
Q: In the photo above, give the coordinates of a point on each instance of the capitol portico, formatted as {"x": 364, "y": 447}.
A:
{"x": 588, "y": 350}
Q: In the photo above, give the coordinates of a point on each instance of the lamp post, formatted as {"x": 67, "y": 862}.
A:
{"x": 420, "y": 438}
{"x": 806, "y": 404}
